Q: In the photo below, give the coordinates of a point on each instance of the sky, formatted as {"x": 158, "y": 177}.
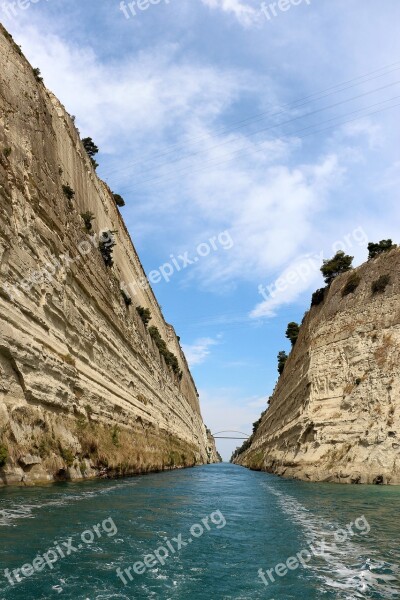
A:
{"x": 250, "y": 141}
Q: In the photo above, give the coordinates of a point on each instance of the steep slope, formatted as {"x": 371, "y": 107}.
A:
{"x": 83, "y": 388}
{"x": 335, "y": 412}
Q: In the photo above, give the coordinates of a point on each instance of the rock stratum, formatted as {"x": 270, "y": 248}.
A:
{"x": 335, "y": 412}
{"x": 84, "y": 390}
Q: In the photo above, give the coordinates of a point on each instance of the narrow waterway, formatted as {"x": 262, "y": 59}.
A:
{"x": 200, "y": 534}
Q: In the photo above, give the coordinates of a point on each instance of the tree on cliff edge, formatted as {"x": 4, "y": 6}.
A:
{"x": 282, "y": 358}
{"x": 382, "y": 246}
{"x": 340, "y": 263}
{"x": 292, "y": 332}
{"x": 91, "y": 150}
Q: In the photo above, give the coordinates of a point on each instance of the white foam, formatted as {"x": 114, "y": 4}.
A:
{"x": 342, "y": 566}
{"x": 9, "y": 515}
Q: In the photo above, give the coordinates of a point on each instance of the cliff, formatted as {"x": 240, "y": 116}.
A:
{"x": 84, "y": 390}
{"x": 335, "y": 412}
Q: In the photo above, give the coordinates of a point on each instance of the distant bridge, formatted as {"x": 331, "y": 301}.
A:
{"x": 218, "y": 435}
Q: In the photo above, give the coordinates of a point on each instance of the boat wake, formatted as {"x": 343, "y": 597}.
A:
{"x": 349, "y": 568}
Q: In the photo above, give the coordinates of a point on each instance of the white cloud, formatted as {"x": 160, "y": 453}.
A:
{"x": 199, "y": 351}
{"x": 131, "y": 103}
{"x": 298, "y": 277}
{"x": 243, "y": 12}
{"x": 233, "y": 181}
{"x": 270, "y": 212}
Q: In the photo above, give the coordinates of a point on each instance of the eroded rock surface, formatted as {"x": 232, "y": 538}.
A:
{"x": 83, "y": 388}
{"x": 335, "y": 412}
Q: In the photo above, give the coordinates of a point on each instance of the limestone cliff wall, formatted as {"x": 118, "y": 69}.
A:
{"x": 83, "y": 388}
{"x": 213, "y": 454}
{"x": 335, "y": 412}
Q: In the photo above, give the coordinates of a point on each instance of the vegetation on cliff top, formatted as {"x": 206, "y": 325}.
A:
{"x": 91, "y": 150}
{"x": 292, "y": 332}
{"x": 377, "y": 249}
{"x": 282, "y": 358}
{"x": 339, "y": 264}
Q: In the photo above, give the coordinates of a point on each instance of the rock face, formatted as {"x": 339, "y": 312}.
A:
{"x": 335, "y": 412}
{"x": 83, "y": 388}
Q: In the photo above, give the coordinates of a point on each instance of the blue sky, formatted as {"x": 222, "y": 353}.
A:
{"x": 215, "y": 121}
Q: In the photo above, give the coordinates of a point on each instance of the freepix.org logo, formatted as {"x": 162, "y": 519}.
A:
{"x": 271, "y": 10}
{"x": 131, "y": 9}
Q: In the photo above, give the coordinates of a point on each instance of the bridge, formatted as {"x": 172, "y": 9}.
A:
{"x": 218, "y": 435}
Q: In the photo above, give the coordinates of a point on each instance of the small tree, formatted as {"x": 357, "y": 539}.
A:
{"x": 126, "y": 297}
{"x": 37, "y": 75}
{"x": 91, "y": 150}
{"x": 318, "y": 297}
{"x": 144, "y": 314}
{"x": 106, "y": 246}
{"x": 292, "y": 332}
{"x": 340, "y": 263}
{"x": 90, "y": 146}
{"x": 88, "y": 217}
{"x": 282, "y": 358}
{"x": 68, "y": 192}
{"x": 382, "y": 246}
{"x": 119, "y": 201}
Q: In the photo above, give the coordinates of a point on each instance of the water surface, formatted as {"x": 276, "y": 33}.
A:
{"x": 238, "y": 522}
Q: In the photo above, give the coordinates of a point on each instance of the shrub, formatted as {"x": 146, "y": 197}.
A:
{"x": 119, "y": 201}
{"x": 292, "y": 332}
{"x": 382, "y": 246}
{"x": 340, "y": 263}
{"x": 115, "y": 436}
{"x": 90, "y": 146}
{"x": 351, "y": 284}
{"x": 257, "y": 423}
{"x": 380, "y": 284}
{"x": 282, "y": 358}
{"x": 91, "y": 150}
{"x": 6, "y": 152}
{"x": 318, "y": 297}
{"x": 68, "y": 192}
{"x": 170, "y": 358}
{"x": 37, "y": 75}
{"x": 67, "y": 455}
{"x": 126, "y": 297}
{"x": 144, "y": 314}
{"x": 3, "y": 455}
{"x": 106, "y": 247}
{"x": 45, "y": 447}
{"x": 88, "y": 217}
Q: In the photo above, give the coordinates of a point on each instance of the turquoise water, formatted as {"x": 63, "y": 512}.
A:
{"x": 238, "y": 521}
